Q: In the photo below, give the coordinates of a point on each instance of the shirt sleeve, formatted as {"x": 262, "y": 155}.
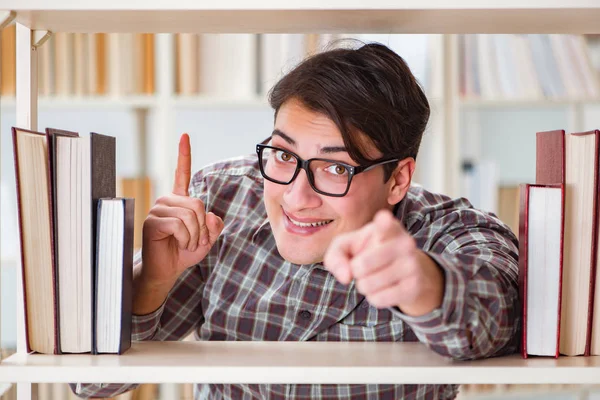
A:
{"x": 479, "y": 316}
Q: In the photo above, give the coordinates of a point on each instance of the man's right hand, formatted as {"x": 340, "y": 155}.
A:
{"x": 178, "y": 233}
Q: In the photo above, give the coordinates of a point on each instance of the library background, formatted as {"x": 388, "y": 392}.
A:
{"x": 146, "y": 89}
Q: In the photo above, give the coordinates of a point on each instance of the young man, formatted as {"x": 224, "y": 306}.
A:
{"x": 320, "y": 236}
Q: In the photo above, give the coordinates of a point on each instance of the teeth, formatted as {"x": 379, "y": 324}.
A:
{"x": 312, "y": 224}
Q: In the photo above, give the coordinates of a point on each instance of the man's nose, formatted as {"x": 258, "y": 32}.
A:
{"x": 299, "y": 193}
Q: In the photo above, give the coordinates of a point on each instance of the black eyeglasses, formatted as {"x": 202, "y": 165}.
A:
{"x": 327, "y": 177}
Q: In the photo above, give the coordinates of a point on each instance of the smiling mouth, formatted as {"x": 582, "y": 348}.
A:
{"x": 311, "y": 224}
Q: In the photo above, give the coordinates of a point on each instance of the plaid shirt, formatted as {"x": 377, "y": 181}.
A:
{"x": 244, "y": 290}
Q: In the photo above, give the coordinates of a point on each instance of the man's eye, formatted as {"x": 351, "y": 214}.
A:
{"x": 283, "y": 156}
{"x": 337, "y": 169}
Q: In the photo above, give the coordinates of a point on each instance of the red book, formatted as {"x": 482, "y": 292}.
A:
{"x": 550, "y": 157}
{"x": 541, "y": 227}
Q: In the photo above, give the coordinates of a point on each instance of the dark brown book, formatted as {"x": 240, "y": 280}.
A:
{"x": 114, "y": 274}
{"x": 541, "y": 232}
{"x": 550, "y": 157}
{"x": 34, "y": 204}
{"x": 104, "y": 185}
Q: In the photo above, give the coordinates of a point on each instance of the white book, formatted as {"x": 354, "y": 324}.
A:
{"x": 74, "y": 227}
{"x": 228, "y": 65}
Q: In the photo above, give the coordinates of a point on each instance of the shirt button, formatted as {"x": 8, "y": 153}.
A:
{"x": 305, "y": 314}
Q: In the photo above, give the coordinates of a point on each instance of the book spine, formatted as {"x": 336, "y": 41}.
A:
{"x": 523, "y": 243}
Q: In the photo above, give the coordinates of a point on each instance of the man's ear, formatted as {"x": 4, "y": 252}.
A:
{"x": 400, "y": 180}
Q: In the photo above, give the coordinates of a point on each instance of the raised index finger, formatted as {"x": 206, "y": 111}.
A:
{"x": 184, "y": 167}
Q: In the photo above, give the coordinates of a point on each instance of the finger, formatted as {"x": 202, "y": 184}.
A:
{"x": 214, "y": 226}
{"x": 379, "y": 280}
{"x": 387, "y": 225}
{"x": 184, "y": 166}
{"x": 337, "y": 258}
{"x": 194, "y": 204}
{"x": 170, "y": 226}
{"x": 187, "y": 216}
{"x": 391, "y": 296}
{"x": 379, "y": 255}
{"x": 361, "y": 239}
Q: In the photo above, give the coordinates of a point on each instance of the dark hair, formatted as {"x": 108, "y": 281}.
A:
{"x": 368, "y": 89}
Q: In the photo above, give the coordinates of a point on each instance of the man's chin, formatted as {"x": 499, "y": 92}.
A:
{"x": 295, "y": 255}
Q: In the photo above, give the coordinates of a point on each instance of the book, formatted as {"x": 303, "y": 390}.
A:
{"x": 541, "y": 230}
{"x": 60, "y": 177}
{"x": 595, "y": 296}
{"x": 581, "y": 198}
{"x": 104, "y": 184}
{"x": 69, "y": 157}
{"x": 83, "y": 170}
{"x": 34, "y": 204}
{"x": 114, "y": 275}
{"x": 550, "y": 157}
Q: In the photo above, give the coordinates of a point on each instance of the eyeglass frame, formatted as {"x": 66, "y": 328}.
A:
{"x": 304, "y": 164}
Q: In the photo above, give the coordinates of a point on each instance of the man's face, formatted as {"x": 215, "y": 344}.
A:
{"x": 309, "y": 134}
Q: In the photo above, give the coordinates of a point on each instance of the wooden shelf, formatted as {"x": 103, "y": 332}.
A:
{"x": 343, "y": 16}
{"x": 292, "y": 362}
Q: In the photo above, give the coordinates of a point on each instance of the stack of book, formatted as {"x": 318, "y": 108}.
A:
{"x": 76, "y": 243}
{"x": 558, "y": 245}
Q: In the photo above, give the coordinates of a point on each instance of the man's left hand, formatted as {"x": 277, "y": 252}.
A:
{"x": 387, "y": 266}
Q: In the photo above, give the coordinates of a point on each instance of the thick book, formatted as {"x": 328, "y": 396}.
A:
{"x": 114, "y": 275}
{"x": 65, "y": 304}
{"x": 595, "y": 286}
{"x": 581, "y": 202}
{"x": 34, "y": 201}
{"x": 541, "y": 227}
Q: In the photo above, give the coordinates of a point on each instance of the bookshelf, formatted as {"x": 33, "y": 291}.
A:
{"x": 294, "y": 362}
{"x": 401, "y": 362}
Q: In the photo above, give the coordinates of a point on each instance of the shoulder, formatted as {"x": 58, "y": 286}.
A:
{"x": 228, "y": 184}
{"x": 429, "y": 215}
{"x": 241, "y": 167}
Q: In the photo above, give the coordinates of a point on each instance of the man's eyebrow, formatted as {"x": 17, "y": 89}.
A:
{"x": 277, "y": 132}
{"x": 324, "y": 150}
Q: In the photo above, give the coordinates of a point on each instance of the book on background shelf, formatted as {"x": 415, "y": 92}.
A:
{"x": 85, "y": 64}
{"x": 114, "y": 276}
{"x": 528, "y": 67}
{"x": 8, "y": 77}
{"x": 139, "y": 189}
{"x": 508, "y": 206}
{"x": 60, "y": 180}
{"x": 540, "y": 267}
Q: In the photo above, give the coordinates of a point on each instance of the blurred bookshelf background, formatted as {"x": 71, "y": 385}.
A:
{"x": 489, "y": 95}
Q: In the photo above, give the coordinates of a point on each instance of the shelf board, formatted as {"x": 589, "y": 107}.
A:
{"x": 293, "y": 362}
{"x": 494, "y": 103}
{"x": 86, "y": 102}
{"x": 205, "y": 101}
{"x": 310, "y": 16}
